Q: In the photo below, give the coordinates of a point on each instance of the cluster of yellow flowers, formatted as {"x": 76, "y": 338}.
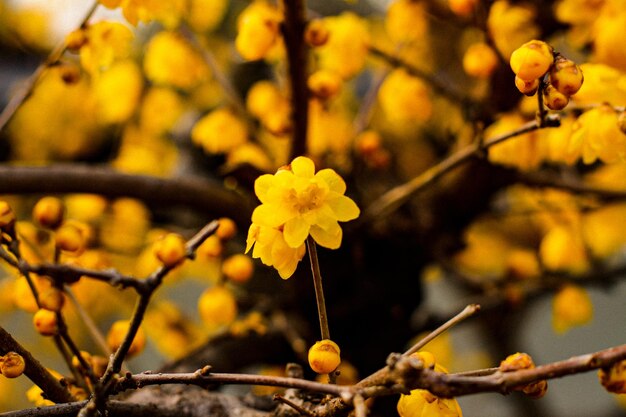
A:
{"x": 297, "y": 202}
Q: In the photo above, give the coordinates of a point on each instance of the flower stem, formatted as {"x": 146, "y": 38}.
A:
{"x": 319, "y": 291}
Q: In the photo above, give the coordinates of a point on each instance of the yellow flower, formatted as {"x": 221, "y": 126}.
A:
{"x": 421, "y": 403}
{"x": 303, "y": 202}
{"x": 219, "y": 132}
{"x": 571, "y": 307}
{"x": 406, "y": 21}
{"x": 597, "y": 136}
{"x": 106, "y": 43}
{"x": 171, "y": 60}
{"x": 347, "y": 46}
{"x": 271, "y": 248}
{"x": 117, "y": 92}
{"x": 167, "y": 12}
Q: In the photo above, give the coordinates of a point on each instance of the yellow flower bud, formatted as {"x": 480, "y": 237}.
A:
{"x": 75, "y": 40}
{"x": 52, "y": 299}
{"x": 462, "y": 7}
{"x": 210, "y": 248}
{"x": 12, "y": 365}
{"x": 324, "y": 84}
{"x": 516, "y": 362}
{"x": 480, "y": 60}
{"x": 571, "y": 307}
{"x": 324, "y": 356}
{"x": 7, "y": 216}
{"x": 48, "y": 212}
{"x": 554, "y": 99}
{"x": 528, "y": 88}
{"x": 614, "y": 378}
{"x": 532, "y": 60}
{"x": 45, "y": 322}
{"x": 118, "y": 332}
{"x": 227, "y": 229}
{"x": 217, "y": 307}
{"x": 316, "y": 33}
{"x": 70, "y": 238}
{"x": 170, "y": 249}
{"x": 238, "y": 268}
{"x": 566, "y": 76}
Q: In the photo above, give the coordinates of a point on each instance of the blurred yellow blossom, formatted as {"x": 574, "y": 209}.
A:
{"x": 106, "y": 43}
{"x": 596, "y": 135}
{"x": 219, "y": 131}
{"x": 117, "y": 91}
{"x": 406, "y": 21}
{"x": 160, "y": 109}
{"x": 171, "y": 60}
{"x": 404, "y": 97}
{"x": 562, "y": 249}
{"x": 571, "y": 307}
{"x": 511, "y": 25}
{"x": 347, "y": 46}
{"x": 206, "y": 15}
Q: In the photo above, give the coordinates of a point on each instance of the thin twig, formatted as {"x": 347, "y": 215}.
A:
{"x": 394, "y": 198}
{"x": 35, "y": 371}
{"x": 468, "y": 311}
{"x": 319, "y": 290}
{"x": 29, "y": 85}
{"x": 204, "y": 378}
{"x": 92, "y": 328}
{"x": 302, "y": 411}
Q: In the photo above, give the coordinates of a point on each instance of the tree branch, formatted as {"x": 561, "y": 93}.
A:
{"x": 394, "y": 198}
{"x": 198, "y": 193}
{"x": 35, "y": 371}
{"x": 293, "y": 30}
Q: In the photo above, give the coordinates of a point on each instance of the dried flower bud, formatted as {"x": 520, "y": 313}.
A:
{"x": 12, "y": 365}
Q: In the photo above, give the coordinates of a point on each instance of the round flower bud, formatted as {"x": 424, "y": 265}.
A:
{"x": 217, "y": 307}
{"x": 7, "y": 216}
{"x": 480, "y": 60}
{"x": 324, "y": 84}
{"x": 532, "y": 60}
{"x": 48, "y": 212}
{"x": 554, "y": 99}
{"x": 462, "y": 7}
{"x": 566, "y": 76}
{"x": 227, "y": 229}
{"x": 45, "y": 322}
{"x": 238, "y": 268}
{"x": 614, "y": 378}
{"x": 170, "y": 249}
{"x": 536, "y": 390}
{"x": 368, "y": 142}
{"x": 516, "y": 362}
{"x": 69, "y": 238}
{"x": 316, "y": 33}
{"x": 118, "y": 332}
{"x": 12, "y": 365}
{"x": 75, "y": 40}
{"x": 324, "y": 356}
{"x": 52, "y": 299}
{"x": 528, "y": 88}
{"x": 211, "y": 248}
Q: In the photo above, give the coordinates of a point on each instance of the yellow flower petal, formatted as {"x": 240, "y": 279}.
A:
{"x": 303, "y": 167}
{"x": 262, "y": 185}
{"x": 330, "y": 238}
{"x": 334, "y": 181}
{"x": 344, "y": 208}
{"x": 295, "y": 232}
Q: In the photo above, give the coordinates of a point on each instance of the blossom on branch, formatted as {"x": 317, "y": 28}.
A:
{"x": 296, "y": 203}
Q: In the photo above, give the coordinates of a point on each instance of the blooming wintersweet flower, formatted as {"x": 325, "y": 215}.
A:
{"x": 303, "y": 202}
{"x": 296, "y": 203}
